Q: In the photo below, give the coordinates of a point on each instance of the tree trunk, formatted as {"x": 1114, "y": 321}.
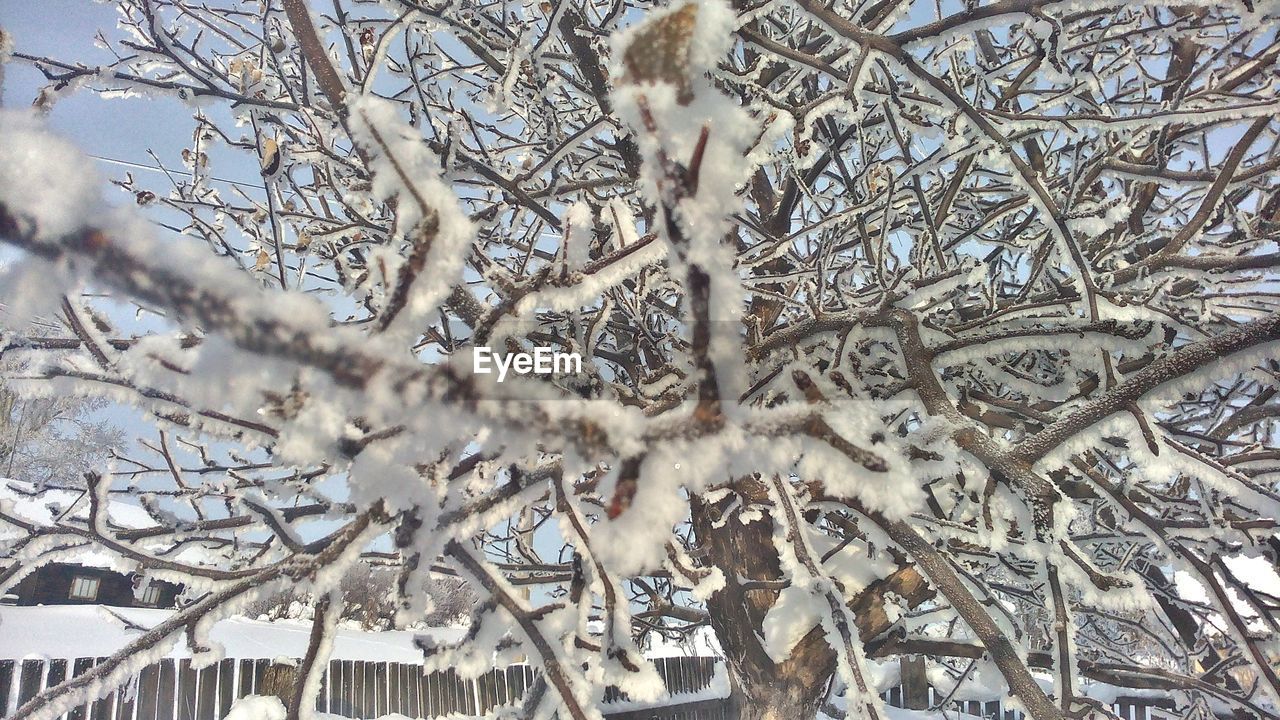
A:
{"x": 762, "y": 689}
{"x": 789, "y": 703}
{"x": 795, "y": 688}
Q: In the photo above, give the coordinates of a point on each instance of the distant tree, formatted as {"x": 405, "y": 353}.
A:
{"x": 369, "y": 598}
{"x": 943, "y": 329}
{"x": 52, "y": 439}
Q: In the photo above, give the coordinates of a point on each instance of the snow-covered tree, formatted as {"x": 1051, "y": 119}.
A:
{"x": 368, "y": 592}
{"x": 942, "y": 329}
{"x": 53, "y": 438}
{"x": 49, "y": 435}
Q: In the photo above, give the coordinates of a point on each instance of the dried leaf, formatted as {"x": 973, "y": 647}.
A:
{"x": 659, "y": 52}
{"x": 270, "y": 157}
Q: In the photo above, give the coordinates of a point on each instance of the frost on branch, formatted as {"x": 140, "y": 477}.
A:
{"x": 427, "y": 215}
{"x": 49, "y": 192}
{"x": 908, "y": 330}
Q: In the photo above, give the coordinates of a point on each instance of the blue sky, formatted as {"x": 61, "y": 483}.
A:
{"x": 118, "y": 129}
{"x": 122, "y": 129}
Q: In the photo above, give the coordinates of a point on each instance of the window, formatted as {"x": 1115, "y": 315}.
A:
{"x": 84, "y": 588}
{"x": 151, "y": 596}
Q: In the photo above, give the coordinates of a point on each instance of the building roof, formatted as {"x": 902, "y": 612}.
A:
{"x": 74, "y": 631}
{"x": 45, "y": 506}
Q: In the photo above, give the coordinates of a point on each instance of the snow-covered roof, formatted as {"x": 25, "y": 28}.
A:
{"x": 24, "y": 500}
{"x": 44, "y": 507}
{"x": 73, "y": 631}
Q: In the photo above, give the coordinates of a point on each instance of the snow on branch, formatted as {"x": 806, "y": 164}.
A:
{"x": 905, "y": 329}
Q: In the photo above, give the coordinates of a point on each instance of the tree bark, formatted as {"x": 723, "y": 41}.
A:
{"x": 796, "y": 687}
{"x": 762, "y": 688}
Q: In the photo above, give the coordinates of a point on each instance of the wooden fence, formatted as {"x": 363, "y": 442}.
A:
{"x": 1127, "y": 708}
{"x": 173, "y": 690}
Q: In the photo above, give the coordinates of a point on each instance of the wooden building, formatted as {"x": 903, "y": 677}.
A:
{"x": 71, "y": 584}
{"x": 90, "y": 576}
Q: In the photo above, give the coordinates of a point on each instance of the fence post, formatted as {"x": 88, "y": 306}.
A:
{"x": 915, "y": 684}
{"x": 278, "y": 680}
{"x": 8, "y": 686}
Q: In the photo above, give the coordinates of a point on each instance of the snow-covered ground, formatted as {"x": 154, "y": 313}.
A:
{"x": 73, "y": 631}
{"x": 258, "y": 707}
